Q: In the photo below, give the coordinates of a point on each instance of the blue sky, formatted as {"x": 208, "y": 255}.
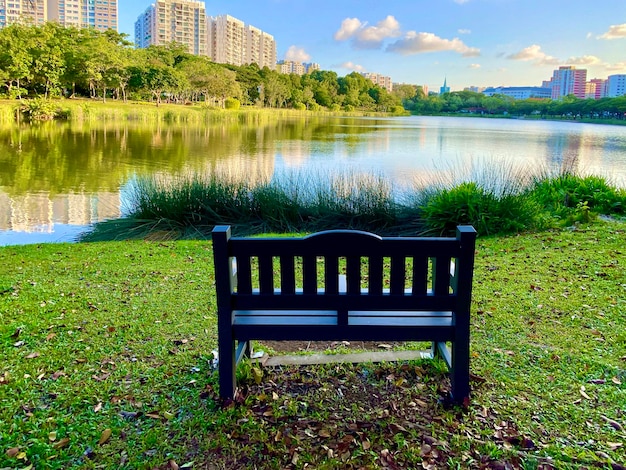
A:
{"x": 469, "y": 42}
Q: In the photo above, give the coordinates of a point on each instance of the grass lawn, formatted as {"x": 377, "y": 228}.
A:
{"x": 106, "y": 362}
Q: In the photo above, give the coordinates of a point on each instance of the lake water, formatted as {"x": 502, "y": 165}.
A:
{"x": 56, "y": 179}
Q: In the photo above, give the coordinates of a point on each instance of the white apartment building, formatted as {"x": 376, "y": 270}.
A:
{"x": 380, "y": 80}
{"x": 298, "y": 68}
{"x": 615, "y": 86}
{"x": 14, "y": 11}
{"x": 233, "y": 42}
{"x": 181, "y": 21}
{"x": 227, "y": 39}
{"x": 98, "y": 14}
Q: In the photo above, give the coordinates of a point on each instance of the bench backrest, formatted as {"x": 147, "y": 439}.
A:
{"x": 344, "y": 269}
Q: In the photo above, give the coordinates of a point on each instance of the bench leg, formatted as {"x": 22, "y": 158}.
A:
{"x": 226, "y": 368}
{"x": 460, "y": 372}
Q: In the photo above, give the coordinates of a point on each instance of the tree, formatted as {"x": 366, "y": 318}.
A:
{"x": 46, "y": 48}
{"x": 15, "y": 59}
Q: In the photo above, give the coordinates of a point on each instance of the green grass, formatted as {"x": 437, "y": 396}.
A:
{"x": 119, "y": 336}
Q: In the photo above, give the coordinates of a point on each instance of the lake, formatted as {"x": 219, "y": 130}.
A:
{"x": 56, "y": 179}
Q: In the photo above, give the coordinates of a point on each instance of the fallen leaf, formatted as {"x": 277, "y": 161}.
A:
{"x": 50, "y": 336}
{"x": 615, "y": 445}
{"x": 154, "y": 415}
{"x": 62, "y": 443}
{"x": 98, "y": 407}
{"x": 52, "y": 436}
{"x": 616, "y": 381}
{"x": 584, "y": 394}
{"x": 614, "y": 424}
{"x": 33, "y": 355}
{"x": 105, "y": 436}
{"x": 257, "y": 374}
{"x": 12, "y": 452}
{"x": 172, "y": 465}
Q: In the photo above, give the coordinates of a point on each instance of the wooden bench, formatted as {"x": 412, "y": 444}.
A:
{"x": 345, "y": 285}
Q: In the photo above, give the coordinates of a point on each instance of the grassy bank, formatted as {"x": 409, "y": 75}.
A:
{"x": 107, "y": 362}
{"x": 86, "y": 110}
{"x": 494, "y": 200}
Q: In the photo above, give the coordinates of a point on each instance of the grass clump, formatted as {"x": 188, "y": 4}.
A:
{"x": 494, "y": 201}
{"x": 573, "y": 197}
{"x": 107, "y": 363}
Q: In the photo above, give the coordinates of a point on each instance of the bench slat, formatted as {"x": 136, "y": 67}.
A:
{"x": 375, "y": 275}
{"x": 306, "y": 332}
{"x": 266, "y": 274}
{"x": 282, "y": 320}
{"x": 309, "y": 274}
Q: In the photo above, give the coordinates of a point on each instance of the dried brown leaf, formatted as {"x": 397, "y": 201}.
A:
{"x": 12, "y": 452}
{"x": 62, "y": 443}
{"x": 33, "y": 355}
{"x": 105, "y": 436}
{"x": 614, "y": 424}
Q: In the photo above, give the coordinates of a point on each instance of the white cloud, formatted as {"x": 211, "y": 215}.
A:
{"x": 297, "y": 54}
{"x": 617, "y": 67}
{"x": 464, "y": 31}
{"x": 349, "y": 26}
{"x": 584, "y": 60}
{"x": 418, "y": 43}
{"x": 367, "y": 37}
{"x": 474, "y": 66}
{"x": 352, "y": 66}
{"x": 616, "y": 31}
{"x": 535, "y": 54}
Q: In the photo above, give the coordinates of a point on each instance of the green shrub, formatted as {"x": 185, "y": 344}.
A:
{"x": 232, "y": 103}
{"x": 38, "y": 109}
{"x": 299, "y": 107}
{"x": 564, "y": 193}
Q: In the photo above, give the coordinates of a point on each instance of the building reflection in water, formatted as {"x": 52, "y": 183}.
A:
{"x": 39, "y": 212}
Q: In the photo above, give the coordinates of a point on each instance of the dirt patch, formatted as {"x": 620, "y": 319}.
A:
{"x": 288, "y": 347}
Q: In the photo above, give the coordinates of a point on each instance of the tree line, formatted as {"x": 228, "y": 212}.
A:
{"x": 51, "y": 61}
{"x": 497, "y": 104}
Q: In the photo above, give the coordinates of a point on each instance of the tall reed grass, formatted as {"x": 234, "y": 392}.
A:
{"x": 84, "y": 110}
{"x": 496, "y": 201}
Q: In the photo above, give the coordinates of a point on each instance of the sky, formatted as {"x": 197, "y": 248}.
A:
{"x": 424, "y": 42}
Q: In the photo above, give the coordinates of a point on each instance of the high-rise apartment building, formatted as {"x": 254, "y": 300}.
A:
{"x": 298, "y": 68}
{"x": 595, "y": 89}
{"x": 381, "y": 80}
{"x": 14, "y": 11}
{"x": 227, "y": 39}
{"x": 233, "y": 42}
{"x": 616, "y": 85}
{"x": 97, "y": 14}
{"x": 568, "y": 80}
{"x": 181, "y": 21}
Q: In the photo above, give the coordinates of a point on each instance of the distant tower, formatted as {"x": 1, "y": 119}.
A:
{"x": 445, "y": 88}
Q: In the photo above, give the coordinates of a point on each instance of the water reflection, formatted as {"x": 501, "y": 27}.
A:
{"x": 58, "y": 175}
